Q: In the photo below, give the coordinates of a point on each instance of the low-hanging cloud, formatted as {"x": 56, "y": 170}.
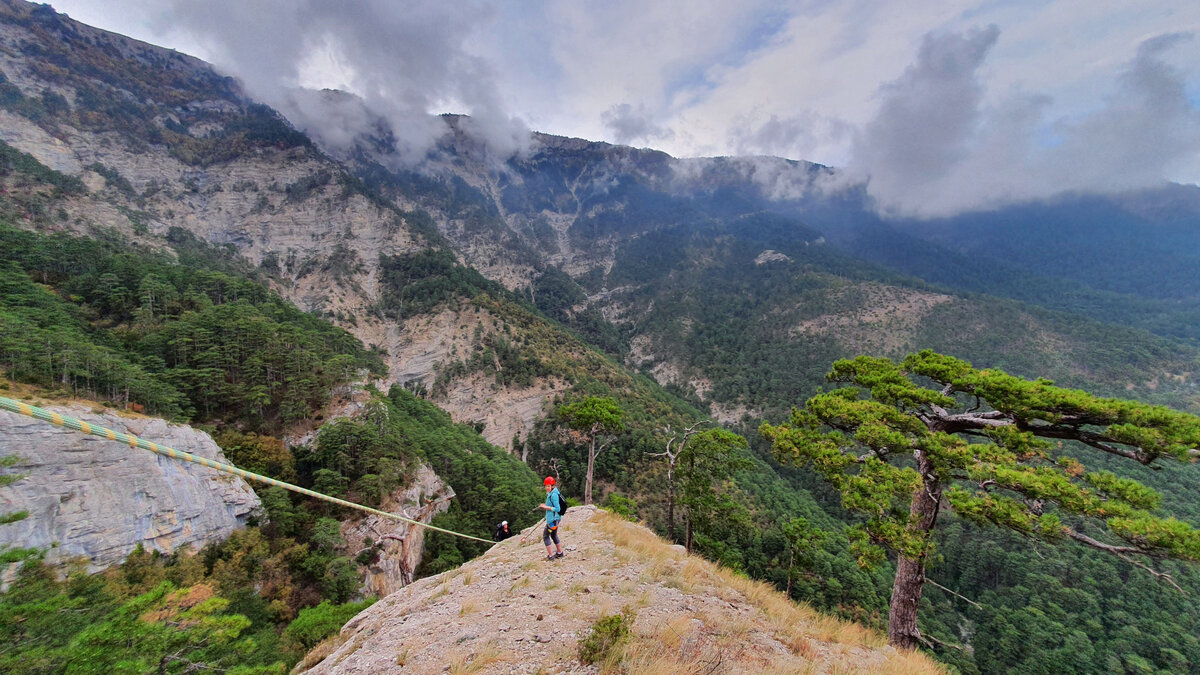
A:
{"x": 982, "y": 117}
{"x": 937, "y": 146}
{"x": 629, "y": 124}
{"x": 795, "y": 135}
{"x": 402, "y": 62}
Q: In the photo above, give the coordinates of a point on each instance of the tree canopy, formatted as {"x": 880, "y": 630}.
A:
{"x": 707, "y": 460}
{"x": 593, "y": 417}
{"x": 992, "y": 448}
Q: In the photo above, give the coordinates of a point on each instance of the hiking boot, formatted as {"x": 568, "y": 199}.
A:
{"x": 558, "y": 555}
{"x": 550, "y": 558}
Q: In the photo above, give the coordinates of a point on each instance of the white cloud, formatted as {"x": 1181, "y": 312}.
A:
{"x": 628, "y": 125}
{"x": 934, "y": 148}
{"x": 406, "y": 62}
{"x": 804, "y": 79}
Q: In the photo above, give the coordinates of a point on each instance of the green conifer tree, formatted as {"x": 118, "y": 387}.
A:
{"x": 594, "y": 417}
{"x": 989, "y": 447}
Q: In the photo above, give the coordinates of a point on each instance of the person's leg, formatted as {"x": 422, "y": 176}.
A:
{"x": 557, "y": 543}
{"x": 546, "y": 533}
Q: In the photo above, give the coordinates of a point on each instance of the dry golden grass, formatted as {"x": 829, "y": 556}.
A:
{"x": 813, "y": 641}
{"x": 469, "y": 663}
{"x": 671, "y": 634}
{"x": 517, "y": 585}
{"x": 716, "y": 621}
{"x": 697, "y": 575}
{"x": 672, "y": 652}
{"x": 317, "y": 654}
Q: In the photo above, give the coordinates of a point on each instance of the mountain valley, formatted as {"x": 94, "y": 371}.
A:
{"x": 400, "y": 333}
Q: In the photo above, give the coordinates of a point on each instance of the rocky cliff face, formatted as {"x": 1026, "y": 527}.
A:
{"x": 401, "y": 545}
{"x": 510, "y": 611}
{"x": 188, "y": 150}
{"x": 94, "y": 498}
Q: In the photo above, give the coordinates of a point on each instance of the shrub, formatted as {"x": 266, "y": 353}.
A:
{"x": 13, "y": 517}
{"x": 623, "y": 506}
{"x": 606, "y": 636}
{"x": 317, "y": 623}
{"x": 341, "y": 579}
{"x": 263, "y": 454}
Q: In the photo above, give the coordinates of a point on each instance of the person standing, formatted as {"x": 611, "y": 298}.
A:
{"x": 502, "y": 532}
{"x": 554, "y": 508}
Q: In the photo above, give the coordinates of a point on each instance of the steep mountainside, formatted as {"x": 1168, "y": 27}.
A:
{"x": 485, "y": 285}
{"x": 736, "y": 278}
{"x": 164, "y": 142}
{"x": 160, "y": 141}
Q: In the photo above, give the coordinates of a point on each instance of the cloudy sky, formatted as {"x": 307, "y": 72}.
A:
{"x": 942, "y": 105}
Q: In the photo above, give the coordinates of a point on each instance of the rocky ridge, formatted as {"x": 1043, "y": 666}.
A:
{"x": 511, "y": 611}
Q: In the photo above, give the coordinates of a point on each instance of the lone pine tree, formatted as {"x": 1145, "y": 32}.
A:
{"x": 593, "y": 418}
{"x": 931, "y": 433}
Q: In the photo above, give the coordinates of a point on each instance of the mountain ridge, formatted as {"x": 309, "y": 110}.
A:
{"x": 507, "y": 611}
{"x": 490, "y": 284}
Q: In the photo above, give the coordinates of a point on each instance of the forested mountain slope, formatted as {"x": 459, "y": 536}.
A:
{"x": 485, "y": 285}
{"x": 738, "y": 279}
{"x": 156, "y": 145}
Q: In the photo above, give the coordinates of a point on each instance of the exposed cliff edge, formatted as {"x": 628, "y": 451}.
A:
{"x": 90, "y": 497}
{"x": 400, "y": 547}
{"x": 510, "y": 611}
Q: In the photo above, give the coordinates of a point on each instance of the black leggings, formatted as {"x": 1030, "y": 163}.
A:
{"x": 550, "y": 533}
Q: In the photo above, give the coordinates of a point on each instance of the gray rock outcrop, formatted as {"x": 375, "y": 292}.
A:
{"x": 97, "y": 499}
{"x": 401, "y": 546}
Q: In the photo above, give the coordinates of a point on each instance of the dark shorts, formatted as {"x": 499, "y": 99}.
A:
{"x": 550, "y": 533}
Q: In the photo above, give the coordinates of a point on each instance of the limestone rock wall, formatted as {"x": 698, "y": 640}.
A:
{"x": 95, "y": 498}
{"x": 402, "y": 544}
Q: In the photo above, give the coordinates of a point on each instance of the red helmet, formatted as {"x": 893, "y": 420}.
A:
{"x": 549, "y": 480}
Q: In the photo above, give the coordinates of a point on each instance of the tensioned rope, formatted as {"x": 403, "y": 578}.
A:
{"x": 135, "y": 442}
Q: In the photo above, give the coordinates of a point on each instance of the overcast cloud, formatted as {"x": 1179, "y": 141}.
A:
{"x": 942, "y": 105}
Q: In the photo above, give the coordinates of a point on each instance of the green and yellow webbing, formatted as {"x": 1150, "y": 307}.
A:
{"x": 135, "y": 442}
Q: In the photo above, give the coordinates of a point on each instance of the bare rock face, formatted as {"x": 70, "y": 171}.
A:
{"x": 512, "y": 611}
{"x": 402, "y": 544}
{"x": 97, "y": 499}
{"x": 422, "y": 345}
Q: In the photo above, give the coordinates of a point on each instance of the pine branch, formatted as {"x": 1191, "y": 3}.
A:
{"x": 1122, "y": 551}
{"x": 1097, "y": 441}
{"x": 963, "y": 597}
{"x": 933, "y": 643}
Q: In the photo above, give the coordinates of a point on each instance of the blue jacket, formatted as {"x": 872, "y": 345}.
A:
{"x": 553, "y": 499}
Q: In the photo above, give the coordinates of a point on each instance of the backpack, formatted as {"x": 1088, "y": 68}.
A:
{"x": 562, "y": 506}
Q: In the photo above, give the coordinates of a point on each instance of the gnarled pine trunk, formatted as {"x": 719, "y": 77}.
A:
{"x": 591, "y": 467}
{"x": 910, "y": 572}
{"x": 670, "y": 508}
